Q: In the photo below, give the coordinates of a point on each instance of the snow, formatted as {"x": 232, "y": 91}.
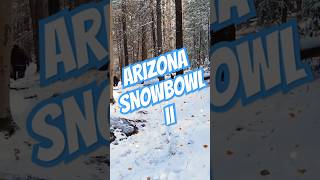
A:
{"x": 181, "y": 151}
{"x": 278, "y": 134}
{"x": 15, "y": 158}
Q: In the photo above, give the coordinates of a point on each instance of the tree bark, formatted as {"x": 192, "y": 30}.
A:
{"x": 200, "y": 43}
{"x": 154, "y": 34}
{"x": 179, "y": 31}
{"x": 6, "y": 121}
{"x": 299, "y": 9}
{"x": 79, "y": 2}
{"x": 284, "y": 12}
{"x": 159, "y": 30}
{"x": 111, "y": 59}
{"x": 144, "y": 49}
{"x": 284, "y": 15}
{"x": 159, "y": 27}
{"x": 39, "y": 10}
{"x": 125, "y": 38}
{"x": 53, "y": 6}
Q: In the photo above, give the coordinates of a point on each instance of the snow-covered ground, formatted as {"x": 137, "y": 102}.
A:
{"x": 15, "y": 156}
{"x": 156, "y": 151}
{"x": 275, "y": 138}
{"x": 181, "y": 151}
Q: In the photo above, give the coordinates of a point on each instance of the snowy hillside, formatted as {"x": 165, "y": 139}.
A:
{"x": 274, "y": 138}
{"x": 143, "y": 146}
{"x": 155, "y": 151}
{"x": 15, "y": 158}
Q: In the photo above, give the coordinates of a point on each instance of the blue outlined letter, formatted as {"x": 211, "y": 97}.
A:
{"x": 257, "y": 66}
{"x": 170, "y": 115}
{"x": 227, "y": 12}
{"x": 73, "y": 42}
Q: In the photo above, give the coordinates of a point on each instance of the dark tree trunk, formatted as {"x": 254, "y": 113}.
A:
{"x": 144, "y": 49}
{"x": 39, "y": 10}
{"x": 154, "y": 34}
{"x": 124, "y": 31}
{"x": 79, "y": 2}
{"x": 159, "y": 27}
{"x": 7, "y": 124}
{"x": 284, "y": 15}
{"x": 159, "y": 31}
{"x": 225, "y": 34}
{"x": 200, "y": 43}
{"x": 299, "y": 9}
{"x": 179, "y": 31}
{"x": 53, "y": 6}
{"x": 284, "y": 12}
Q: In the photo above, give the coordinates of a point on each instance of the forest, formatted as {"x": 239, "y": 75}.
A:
{"x": 140, "y": 30}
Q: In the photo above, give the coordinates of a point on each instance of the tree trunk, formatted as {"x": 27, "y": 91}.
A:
{"x": 120, "y": 51}
{"x": 200, "y": 43}
{"x": 159, "y": 31}
{"x": 159, "y": 28}
{"x": 124, "y": 31}
{"x": 6, "y": 122}
{"x": 194, "y": 50}
{"x": 39, "y": 10}
{"x": 154, "y": 35}
{"x": 284, "y": 15}
{"x": 284, "y": 12}
{"x": 179, "y": 31}
{"x": 137, "y": 48}
{"x": 299, "y": 9}
{"x": 226, "y": 34}
{"x": 79, "y": 2}
{"x": 111, "y": 59}
{"x": 120, "y": 57}
{"x": 53, "y": 7}
{"x": 144, "y": 44}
